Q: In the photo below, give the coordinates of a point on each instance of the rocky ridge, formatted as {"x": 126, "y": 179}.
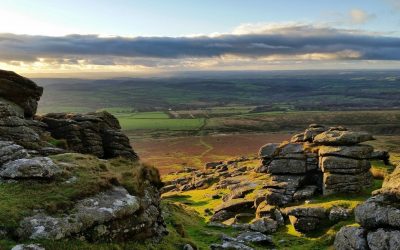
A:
{"x": 27, "y": 159}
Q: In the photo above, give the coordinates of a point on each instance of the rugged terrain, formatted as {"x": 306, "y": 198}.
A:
{"x": 73, "y": 181}
{"x": 295, "y": 195}
{"x": 70, "y": 177}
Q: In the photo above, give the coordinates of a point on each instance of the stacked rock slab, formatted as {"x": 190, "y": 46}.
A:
{"x": 93, "y": 133}
{"x": 294, "y": 172}
{"x": 329, "y": 160}
{"x": 379, "y": 218}
{"x": 344, "y": 162}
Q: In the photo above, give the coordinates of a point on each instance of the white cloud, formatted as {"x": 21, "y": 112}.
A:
{"x": 358, "y": 16}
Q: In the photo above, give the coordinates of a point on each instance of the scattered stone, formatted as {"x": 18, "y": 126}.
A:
{"x": 230, "y": 245}
{"x": 254, "y": 237}
{"x": 222, "y": 215}
{"x": 264, "y": 225}
{"x": 167, "y": 188}
{"x": 305, "y": 219}
{"x": 236, "y": 205}
{"x": 213, "y": 165}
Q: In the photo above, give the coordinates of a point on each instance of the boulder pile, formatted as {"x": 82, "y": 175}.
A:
{"x": 379, "y": 218}
{"x": 328, "y": 160}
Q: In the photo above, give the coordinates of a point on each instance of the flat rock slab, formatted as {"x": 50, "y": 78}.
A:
{"x": 340, "y": 165}
{"x": 101, "y": 208}
{"x": 254, "y": 237}
{"x": 356, "y": 151}
{"x": 38, "y": 167}
{"x": 287, "y": 166}
{"x": 342, "y": 138}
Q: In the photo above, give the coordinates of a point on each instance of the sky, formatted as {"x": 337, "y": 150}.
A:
{"x": 121, "y": 37}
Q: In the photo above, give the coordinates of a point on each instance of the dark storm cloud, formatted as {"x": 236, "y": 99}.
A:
{"x": 282, "y": 41}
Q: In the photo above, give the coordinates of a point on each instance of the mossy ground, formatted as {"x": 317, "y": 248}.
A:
{"x": 90, "y": 176}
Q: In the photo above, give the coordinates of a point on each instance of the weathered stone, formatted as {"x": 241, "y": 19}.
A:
{"x": 282, "y": 188}
{"x": 240, "y": 192}
{"x": 316, "y": 212}
{"x": 351, "y": 238}
{"x": 338, "y": 138}
{"x": 311, "y": 132}
{"x": 167, "y": 188}
{"x": 254, "y": 237}
{"x": 304, "y": 224}
{"x": 102, "y": 208}
{"x": 378, "y": 212}
{"x": 346, "y": 183}
{"x": 384, "y": 239}
{"x": 212, "y": 165}
{"x": 269, "y": 150}
{"x": 265, "y": 210}
{"x": 340, "y": 165}
{"x": 305, "y": 193}
{"x": 356, "y": 151}
{"x": 38, "y": 167}
{"x": 287, "y": 166}
{"x": 21, "y": 91}
{"x": 236, "y": 205}
{"x": 10, "y": 151}
{"x": 338, "y": 213}
{"x": 264, "y": 225}
{"x": 305, "y": 219}
{"x": 222, "y": 215}
{"x": 288, "y": 149}
{"x": 92, "y": 133}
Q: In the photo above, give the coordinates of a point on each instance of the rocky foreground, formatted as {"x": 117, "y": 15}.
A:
{"x": 259, "y": 199}
{"x": 52, "y": 193}
{"x": 379, "y": 219}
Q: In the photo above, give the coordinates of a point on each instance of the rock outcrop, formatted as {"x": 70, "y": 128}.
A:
{"x": 115, "y": 206}
{"x": 260, "y": 198}
{"x": 379, "y": 218}
{"x": 98, "y": 134}
{"x": 329, "y": 160}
